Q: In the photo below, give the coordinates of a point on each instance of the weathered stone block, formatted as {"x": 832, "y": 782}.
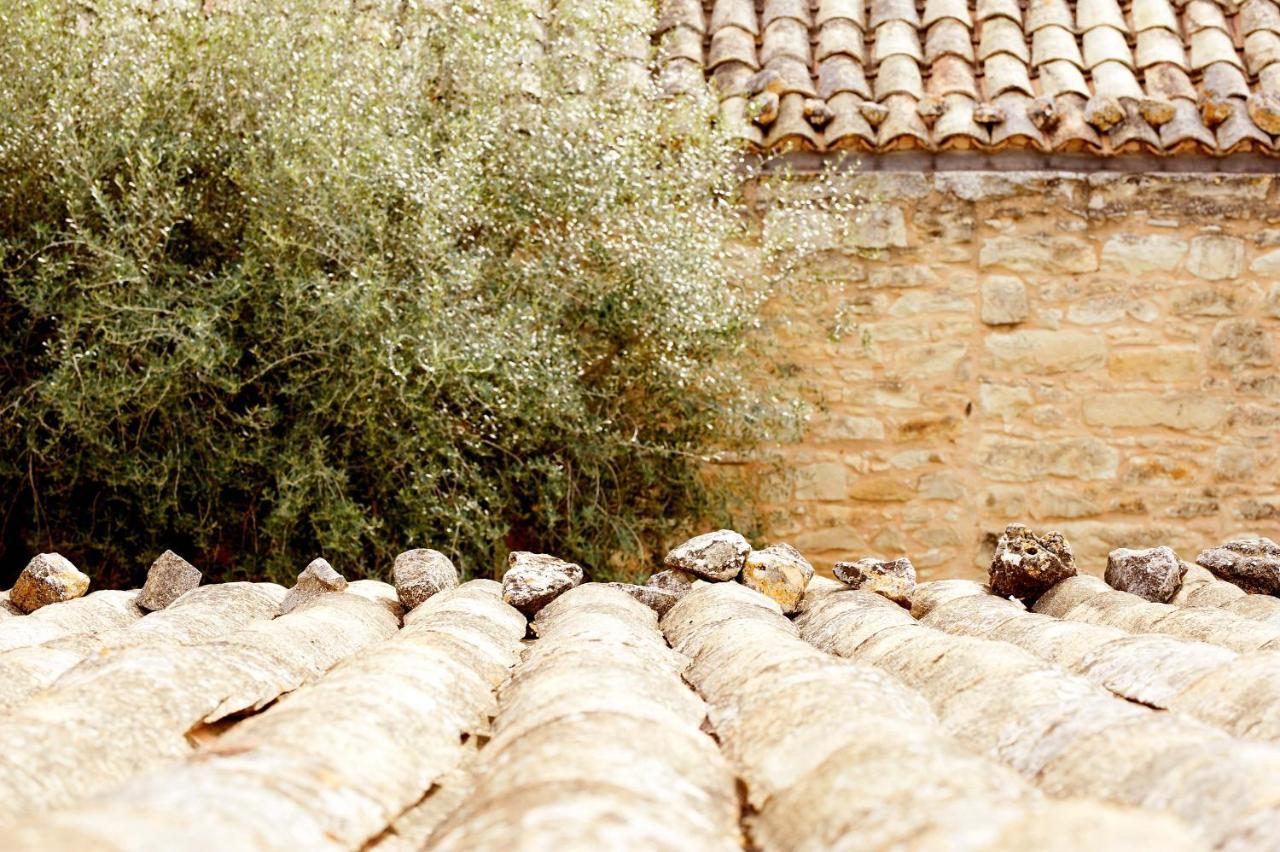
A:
{"x": 1215, "y": 257}
{"x": 876, "y": 227}
{"x": 1241, "y": 342}
{"x": 801, "y": 229}
{"x": 1267, "y": 264}
{"x": 1272, "y": 306}
{"x": 1155, "y": 364}
{"x": 1180, "y": 411}
{"x": 902, "y": 276}
{"x": 1046, "y": 351}
{"x": 1235, "y": 464}
{"x": 881, "y": 488}
{"x": 1039, "y": 253}
{"x": 1004, "y": 300}
{"x": 822, "y": 481}
{"x": 1012, "y": 460}
{"x": 1004, "y": 401}
{"x": 1135, "y": 254}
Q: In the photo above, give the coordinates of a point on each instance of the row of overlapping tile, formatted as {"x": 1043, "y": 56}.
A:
{"x": 1048, "y": 75}
{"x": 229, "y": 719}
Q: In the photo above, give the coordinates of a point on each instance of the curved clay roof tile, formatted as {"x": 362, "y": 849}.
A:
{"x": 779, "y": 9}
{"x": 1004, "y": 73}
{"x": 955, "y": 128}
{"x": 1203, "y": 14}
{"x": 1212, "y": 45}
{"x": 937, "y": 10}
{"x": 847, "y": 128}
{"x": 1091, "y": 14}
{"x": 840, "y": 36}
{"x": 893, "y": 10}
{"x": 734, "y": 13}
{"x": 948, "y": 37}
{"x": 840, "y": 73}
{"x": 897, "y": 38}
{"x": 952, "y": 75}
{"x": 1049, "y": 13}
{"x": 1159, "y": 45}
{"x": 785, "y": 37}
{"x": 1104, "y": 44}
{"x": 1153, "y": 14}
{"x": 1002, "y": 35}
{"x": 1258, "y": 15}
{"x": 732, "y": 44}
{"x": 899, "y": 75}
{"x": 1053, "y": 44}
{"x": 1058, "y": 78}
{"x": 682, "y": 13}
{"x": 853, "y": 10}
{"x": 1115, "y": 80}
{"x": 1261, "y": 48}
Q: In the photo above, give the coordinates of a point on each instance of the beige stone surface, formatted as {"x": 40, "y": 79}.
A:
{"x": 1092, "y": 353}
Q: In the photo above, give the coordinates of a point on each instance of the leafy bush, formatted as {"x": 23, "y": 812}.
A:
{"x": 284, "y": 278}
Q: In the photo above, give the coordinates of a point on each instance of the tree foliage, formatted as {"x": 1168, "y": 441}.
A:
{"x": 289, "y": 278}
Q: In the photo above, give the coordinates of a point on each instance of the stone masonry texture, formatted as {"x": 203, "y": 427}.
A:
{"x": 1091, "y": 353}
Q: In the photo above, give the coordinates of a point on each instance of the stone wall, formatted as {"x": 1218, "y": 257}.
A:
{"x": 1094, "y": 353}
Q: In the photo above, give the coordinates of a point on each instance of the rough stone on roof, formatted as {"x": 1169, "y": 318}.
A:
{"x": 318, "y": 578}
{"x": 715, "y": 556}
{"x": 780, "y": 573}
{"x": 419, "y": 574}
{"x": 1252, "y": 564}
{"x": 658, "y": 600}
{"x": 534, "y": 580}
{"x": 677, "y": 583}
{"x": 894, "y": 579}
{"x": 1025, "y": 565}
{"x": 48, "y": 578}
{"x": 1154, "y": 573}
{"x": 170, "y": 578}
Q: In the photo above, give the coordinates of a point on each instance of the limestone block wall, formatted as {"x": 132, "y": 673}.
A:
{"x": 1094, "y": 353}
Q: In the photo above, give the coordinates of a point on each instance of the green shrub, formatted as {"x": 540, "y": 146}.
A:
{"x": 283, "y": 278}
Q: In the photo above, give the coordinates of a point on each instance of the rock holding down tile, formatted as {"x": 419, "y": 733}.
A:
{"x": 1253, "y": 564}
{"x": 1026, "y": 565}
{"x": 778, "y": 572}
{"x": 169, "y": 578}
{"x": 48, "y": 578}
{"x": 1154, "y": 573}
{"x": 318, "y": 578}
{"x": 419, "y": 574}
{"x": 658, "y": 600}
{"x": 717, "y": 555}
{"x": 895, "y": 579}
{"x": 534, "y": 580}
{"x": 677, "y": 583}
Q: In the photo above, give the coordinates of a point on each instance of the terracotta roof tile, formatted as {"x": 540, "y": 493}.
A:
{"x": 1124, "y": 59}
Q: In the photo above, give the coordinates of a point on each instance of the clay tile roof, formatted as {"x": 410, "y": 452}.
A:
{"x": 327, "y": 717}
{"x": 1157, "y": 76}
